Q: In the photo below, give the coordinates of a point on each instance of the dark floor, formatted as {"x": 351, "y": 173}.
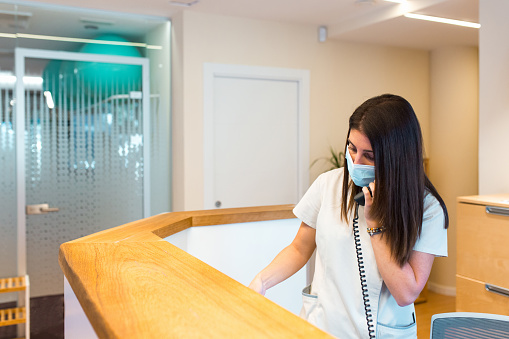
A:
{"x": 46, "y": 318}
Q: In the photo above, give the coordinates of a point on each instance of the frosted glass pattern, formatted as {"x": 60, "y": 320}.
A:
{"x": 8, "y": 232}
{"x": 85, "y": 156}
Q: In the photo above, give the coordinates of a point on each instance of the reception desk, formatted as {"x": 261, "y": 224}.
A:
{"x": 131, "y": 283}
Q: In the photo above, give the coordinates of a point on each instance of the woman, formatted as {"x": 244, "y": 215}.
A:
{"x": 402, "y": 228}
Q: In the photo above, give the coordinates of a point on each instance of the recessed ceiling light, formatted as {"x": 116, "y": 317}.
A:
{"x": 443, "y": 20}
{"x": 49, "y": 99}
{"x": 183, "y": 4}
{"x": 97, "y": 22}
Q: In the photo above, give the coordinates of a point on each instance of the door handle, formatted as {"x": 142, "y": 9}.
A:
{"x": 41, "y": 209}
{"x": 49, "y": 209}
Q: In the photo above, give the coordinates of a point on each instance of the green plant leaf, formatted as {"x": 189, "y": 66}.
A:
{"x": 335, "y": 160}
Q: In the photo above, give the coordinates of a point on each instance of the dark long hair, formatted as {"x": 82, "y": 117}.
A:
{"x": 390, "y": 124}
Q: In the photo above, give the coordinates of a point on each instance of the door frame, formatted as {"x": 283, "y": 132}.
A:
{"x": 20, "y": 54}
{"x": 212, "y": 71}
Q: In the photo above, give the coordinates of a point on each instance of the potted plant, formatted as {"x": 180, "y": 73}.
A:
{"x": 335, "y": 160}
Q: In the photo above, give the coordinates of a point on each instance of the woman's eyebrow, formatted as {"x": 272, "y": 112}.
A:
{"x": 350, "y": 142}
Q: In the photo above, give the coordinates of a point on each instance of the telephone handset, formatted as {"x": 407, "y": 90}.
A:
{"x": 359, "y": 199}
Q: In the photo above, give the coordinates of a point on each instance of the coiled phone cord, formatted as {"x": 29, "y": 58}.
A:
{"x": 362, "y": 274}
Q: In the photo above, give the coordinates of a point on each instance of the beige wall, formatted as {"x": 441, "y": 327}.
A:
{"x": 493, "y": 97}
{"x": 342, "y": 76}
{"x": 453, "y": 143}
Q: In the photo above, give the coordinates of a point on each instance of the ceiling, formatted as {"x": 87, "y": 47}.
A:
{"x": 365, "y": 21}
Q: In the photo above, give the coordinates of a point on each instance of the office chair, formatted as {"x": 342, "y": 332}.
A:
{"x": 469, "y": 325}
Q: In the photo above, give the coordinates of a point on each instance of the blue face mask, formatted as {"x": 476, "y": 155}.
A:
{"x": 361, "y": 175}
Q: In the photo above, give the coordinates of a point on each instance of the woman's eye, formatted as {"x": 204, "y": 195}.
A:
{"x": 369, "y": 156}
{"x": 352, "y": 149}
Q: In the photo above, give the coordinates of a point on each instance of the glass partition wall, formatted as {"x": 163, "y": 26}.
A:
{"x": 88, "y": 146}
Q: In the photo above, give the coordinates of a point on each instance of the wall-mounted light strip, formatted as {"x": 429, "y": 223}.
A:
{"x": 443, "y": 20}
{"x": 80, "y": 40}
{"x": 91, "y": 41}
{"x": 8, "y": 35}
{"x": 397, "y": 1}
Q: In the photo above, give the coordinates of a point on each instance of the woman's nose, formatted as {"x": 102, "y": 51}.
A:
{"x": 359, "y": 160}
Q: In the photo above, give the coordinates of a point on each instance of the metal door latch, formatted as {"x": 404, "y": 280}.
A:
{"x": 40, "y": 209}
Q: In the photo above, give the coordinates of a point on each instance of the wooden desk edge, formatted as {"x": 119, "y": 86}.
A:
{"x": 497, "y": 200}
{"x": 76, "y": 258}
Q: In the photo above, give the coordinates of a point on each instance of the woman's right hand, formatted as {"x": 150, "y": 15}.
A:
{"x": 257, "y": 285}
{"x": 291, "y": 259}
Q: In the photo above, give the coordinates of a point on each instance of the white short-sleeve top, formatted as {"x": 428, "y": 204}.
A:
{"x": 334, "y": 302}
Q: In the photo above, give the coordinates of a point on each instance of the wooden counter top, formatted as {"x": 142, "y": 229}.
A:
{"x": 133, "y": 284}
{"x": 498, "y": 200}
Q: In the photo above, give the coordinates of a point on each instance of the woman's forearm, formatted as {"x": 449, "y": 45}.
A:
{"x": 404, "y": 282}
{"x": 290, "y": 260}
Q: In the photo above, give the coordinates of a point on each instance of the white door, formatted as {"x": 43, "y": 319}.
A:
{"x": 256, "y": 135}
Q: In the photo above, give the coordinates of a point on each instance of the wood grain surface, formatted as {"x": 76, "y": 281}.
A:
{"x": 498, "y": 200}
{"x": 133, "y": 284}
{"x": 482, "y": 255}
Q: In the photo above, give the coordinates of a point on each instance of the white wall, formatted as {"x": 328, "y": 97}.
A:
{"x": 493, "y": 97}
{"x": 342, "y": 76}
{"x": 236, "y": 250}
{"x": 453, "y": 143}
{"x": 76, "y": 323}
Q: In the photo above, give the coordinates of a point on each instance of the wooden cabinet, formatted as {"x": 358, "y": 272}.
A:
{"x": 482, "y": 274}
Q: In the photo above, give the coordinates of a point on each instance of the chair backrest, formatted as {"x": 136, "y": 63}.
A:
{"x": 467, "y": 325}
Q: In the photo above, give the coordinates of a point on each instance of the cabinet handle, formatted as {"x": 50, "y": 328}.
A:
{"x": 497, "y": 290}
{"x": 497, "y": 210}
